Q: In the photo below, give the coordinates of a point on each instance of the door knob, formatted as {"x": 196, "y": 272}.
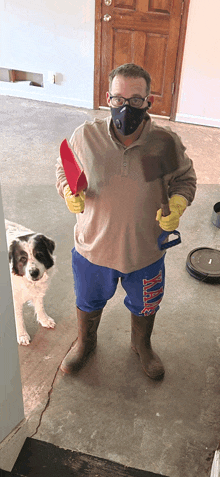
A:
{"x": 107, "y": 17}
{"x": 108, "y": 2}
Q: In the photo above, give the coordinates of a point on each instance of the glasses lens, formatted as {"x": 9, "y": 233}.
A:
{"x": 136, "y": 102}
{"x": 117, "y": 101}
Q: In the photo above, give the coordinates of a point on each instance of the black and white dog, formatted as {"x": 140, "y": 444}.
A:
{"x": 32, "y": 266}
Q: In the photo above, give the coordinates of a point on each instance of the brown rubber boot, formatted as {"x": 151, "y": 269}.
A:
{"x": 141, "y": 329}
{"x": 85, "y": 343}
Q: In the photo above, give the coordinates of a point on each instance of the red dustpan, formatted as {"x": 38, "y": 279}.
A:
{"x": 73, "y": 170}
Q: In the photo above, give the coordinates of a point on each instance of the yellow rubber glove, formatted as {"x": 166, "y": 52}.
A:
{"x": 75, "y": 203}
{"x": 177, "y": 205}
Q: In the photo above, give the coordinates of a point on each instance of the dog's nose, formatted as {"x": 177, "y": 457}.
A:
{"x": 34, "y": 272}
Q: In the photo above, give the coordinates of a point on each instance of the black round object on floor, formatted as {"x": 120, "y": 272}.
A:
{"x": 204, "y": 264}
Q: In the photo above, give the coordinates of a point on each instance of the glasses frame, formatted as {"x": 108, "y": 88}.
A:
{"x": 128, "y": 99}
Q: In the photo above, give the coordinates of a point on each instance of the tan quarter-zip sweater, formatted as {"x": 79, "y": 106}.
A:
{"x": 118, "y": 228}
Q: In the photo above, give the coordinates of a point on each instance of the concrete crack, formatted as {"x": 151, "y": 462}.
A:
{"x": 48, "y": 402}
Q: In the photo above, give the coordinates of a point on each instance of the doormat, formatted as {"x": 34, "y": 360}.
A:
{"x": 42, "y": 459}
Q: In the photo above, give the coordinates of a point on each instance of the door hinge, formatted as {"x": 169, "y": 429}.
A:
{"x": 172, "y": 88}
{"x": 182, "y": 7}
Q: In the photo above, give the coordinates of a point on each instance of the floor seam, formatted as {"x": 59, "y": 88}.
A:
{"x": 47, "y": 403}
{"x": 49, "y": 396}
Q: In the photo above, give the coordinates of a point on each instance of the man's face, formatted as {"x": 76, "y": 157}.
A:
{"x": 128, "y": 88}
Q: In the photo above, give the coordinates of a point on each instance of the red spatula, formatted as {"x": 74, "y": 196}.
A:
{"x": 73, "y": 169}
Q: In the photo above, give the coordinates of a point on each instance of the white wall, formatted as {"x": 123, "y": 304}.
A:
{"x": 58, "y": 36}
{"x": 199, "y": 99}
{"x": 49, "y": 35}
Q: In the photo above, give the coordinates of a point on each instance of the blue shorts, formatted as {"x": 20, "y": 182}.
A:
{"x": 95, "y": 285}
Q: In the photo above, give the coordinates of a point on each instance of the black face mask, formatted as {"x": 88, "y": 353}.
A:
{"x": 127, "y": 119}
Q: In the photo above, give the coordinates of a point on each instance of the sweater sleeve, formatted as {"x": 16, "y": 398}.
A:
{"x": 61, "y": 180}
{"x": 183, "y": 180}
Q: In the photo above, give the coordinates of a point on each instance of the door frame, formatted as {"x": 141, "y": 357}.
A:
{"x": 97, "y": 56}
{"x": 179, "y": 59}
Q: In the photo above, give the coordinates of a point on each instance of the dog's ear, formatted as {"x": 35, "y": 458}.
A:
{"x": 50, "y": 244}
{"x": 12, "y": 258}
{"x": 11, "y": 250}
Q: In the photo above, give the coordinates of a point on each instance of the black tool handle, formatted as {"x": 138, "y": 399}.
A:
{"x": 164, "y": 199}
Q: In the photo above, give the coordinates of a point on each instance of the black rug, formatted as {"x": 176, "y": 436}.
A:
{"x": 42, "y": 459}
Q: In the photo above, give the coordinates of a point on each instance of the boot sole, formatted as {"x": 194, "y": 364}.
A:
{"x": 77, "y": 367}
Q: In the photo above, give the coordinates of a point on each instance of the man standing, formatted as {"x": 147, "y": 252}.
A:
{"x": 116, "y": 236}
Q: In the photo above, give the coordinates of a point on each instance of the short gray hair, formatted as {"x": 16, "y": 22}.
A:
{"x": 130, "y": 70}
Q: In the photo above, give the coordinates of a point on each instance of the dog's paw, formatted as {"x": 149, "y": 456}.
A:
{"x": 24, "y": 339}
{"x": 46, "y": 321}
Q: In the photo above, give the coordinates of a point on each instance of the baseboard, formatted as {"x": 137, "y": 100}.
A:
{"x": 198, "y": 120}
{"x": 24, "y": 90}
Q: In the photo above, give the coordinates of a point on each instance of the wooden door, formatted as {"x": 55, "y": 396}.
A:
{"x": 145, "y": 32}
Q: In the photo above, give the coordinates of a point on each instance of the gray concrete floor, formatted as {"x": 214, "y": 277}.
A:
{"x": 111, "y": 409}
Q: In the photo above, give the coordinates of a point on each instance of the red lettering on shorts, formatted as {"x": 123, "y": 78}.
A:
{"x": 153, "y": 281}
{"x": 152, "y": 294}
{"x": 150, "y": 308}
{"x": 148, "y": 294}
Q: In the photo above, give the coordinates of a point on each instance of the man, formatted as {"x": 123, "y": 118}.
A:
{"x": 116, "y": 235}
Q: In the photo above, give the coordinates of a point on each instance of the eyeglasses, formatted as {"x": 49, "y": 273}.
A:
{"x": 135, "y": 102}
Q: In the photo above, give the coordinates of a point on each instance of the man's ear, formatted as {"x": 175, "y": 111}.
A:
{"x": 108, "y": 98}
{"x": 150, "y": 100}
